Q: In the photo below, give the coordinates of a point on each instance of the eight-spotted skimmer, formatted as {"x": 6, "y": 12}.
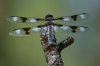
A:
{"x": 49, "y": 24}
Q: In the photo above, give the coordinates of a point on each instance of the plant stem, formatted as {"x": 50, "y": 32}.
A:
{"x": 53, "y": 51}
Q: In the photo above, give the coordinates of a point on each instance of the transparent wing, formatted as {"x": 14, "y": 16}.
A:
{"x": 24, "y": 31}
{"x": 73, "y": 29}
{"x": 16, "y": 19}
{"x": 79, "y": 17}
{"x": 23, "y": 19}
{"x": 32, "y": 20}
{"x": 73, "y": 17}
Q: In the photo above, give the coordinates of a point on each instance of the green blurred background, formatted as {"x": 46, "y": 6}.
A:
{"x": 27, "y": 51}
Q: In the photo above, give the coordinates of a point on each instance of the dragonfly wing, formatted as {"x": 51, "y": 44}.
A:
{"x": 72, "y": 29}
{"x": 24, "y": 31}
{"x": 79, "y": 17}
{"x": 16, "y": 19}
{"x": 76, "y": 17}
{"x": 64, "y": 19}
{"x": 32, "y": 20}
{"x": 23, "y": 19}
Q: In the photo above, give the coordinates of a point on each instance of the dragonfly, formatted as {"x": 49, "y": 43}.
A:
{"x": 49, "y": 26}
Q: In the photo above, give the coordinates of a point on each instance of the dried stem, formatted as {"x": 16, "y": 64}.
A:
{"x": 53, "y": 51}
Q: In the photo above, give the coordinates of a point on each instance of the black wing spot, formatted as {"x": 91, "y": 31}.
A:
{"x": 23, "y": 19}
{"x": 73, "y": 28}
{"x": 27, "y": 30}
{"x": 74, "y": 17}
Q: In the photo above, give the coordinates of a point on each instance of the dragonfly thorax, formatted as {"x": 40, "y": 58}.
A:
{"x": 48, "y": 31}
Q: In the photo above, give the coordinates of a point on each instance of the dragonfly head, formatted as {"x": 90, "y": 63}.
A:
{"x": 49, "y": 17}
